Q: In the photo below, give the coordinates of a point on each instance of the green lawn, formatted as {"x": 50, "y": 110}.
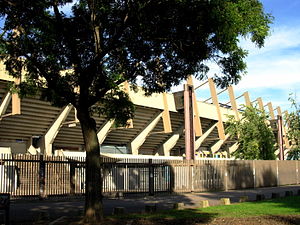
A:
{"x": 280, "y": 206}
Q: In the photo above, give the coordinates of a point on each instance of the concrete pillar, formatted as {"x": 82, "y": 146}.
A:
{"x": 189, "y": 122}
{"x": 104, "y": 130}
{"x": 137, "y": 142}
{"x": 52, "y": 132}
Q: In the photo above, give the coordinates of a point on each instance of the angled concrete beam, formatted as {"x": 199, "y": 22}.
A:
{"x": 233, "y": 102}
{"x": 279, "y": 113}
{"x": 271, "y": 110}
{"x": 286, "y": 152}
{"x": 127, "y": 90}
{"x": 216, "y": 147}
{"x": 280, "y": 137}
{"x": 197, "y": 122}
{"x": 201, "y": 139}
{"x": 233, "y": 148}
{"x": 52, "y": 132}
{"x": 166, "y": 115}
{"x": 215, "y": 101}
{"x": 5, "y": 103}
{"x": 196, "y": 119}
{"x": 260, "y": 104}
{"x": 16, "y": 101}
{"x": 104, "y": 130}
{"x": 76, "y": 120}
{"x": 16, "y": 104}
{"x": 189, "y": 80}
{"x": 166, "y": 147}
{"x": 247, "y": 99}
{"x": 141, "y": 137}
{"x": 286, "y": 140}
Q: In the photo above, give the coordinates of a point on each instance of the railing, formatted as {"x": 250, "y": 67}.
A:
{"x": 42, "y": 176}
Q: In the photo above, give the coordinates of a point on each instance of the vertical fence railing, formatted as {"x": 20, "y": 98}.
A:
{"x": 41, "y": 176}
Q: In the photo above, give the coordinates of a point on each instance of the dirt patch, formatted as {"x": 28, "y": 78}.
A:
{"x": 259, "y": 220}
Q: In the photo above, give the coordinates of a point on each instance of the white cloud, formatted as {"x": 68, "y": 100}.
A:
{"x": 281, "y": 38}
{"x": 273, "y": 71}
{"x": 277, "y": 65}
{"x": 277, "y": 74}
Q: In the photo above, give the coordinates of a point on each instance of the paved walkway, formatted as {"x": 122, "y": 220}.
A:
{"x": 22, "y": 210}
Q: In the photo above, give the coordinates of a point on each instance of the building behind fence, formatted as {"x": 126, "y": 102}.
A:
{"x": 44, "y": 176}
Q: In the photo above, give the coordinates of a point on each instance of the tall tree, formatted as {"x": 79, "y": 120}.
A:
{"x": 293, "y": 124}
{"x": 256, "y": 139}
{"x": 100, "y": 44}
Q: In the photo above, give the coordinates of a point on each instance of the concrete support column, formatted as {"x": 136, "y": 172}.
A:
{"x": 217, "y": 146}
{"x": 5, "y": 103}
{"x": 52, "y": 132}
{"x": 247, "y": 99}
{"x": 104, "y": 130}
{"x": 166, "y": 115}
{"x": 16, "y": 101}
{"x": 189, "y": 122}
{"x": 215, "y": 101}
{"x": 201, "y": 139}
{"x": 280, "y": 138}
{"x": 233, "y": 147}
{"x": 233, "y": 102}
{"x": 260, "y": 103}
{"x": 271, "y": 110}
{"x": 166, "y": 147}
{"x": 141, "y": 137}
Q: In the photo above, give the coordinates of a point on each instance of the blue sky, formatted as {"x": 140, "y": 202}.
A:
{"x": 274, "y": 70}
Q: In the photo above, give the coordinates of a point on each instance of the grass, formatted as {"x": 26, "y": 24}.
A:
{"x": 280, "y": 206}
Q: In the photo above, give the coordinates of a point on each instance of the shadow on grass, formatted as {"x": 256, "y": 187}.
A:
{"x": 183, "y": 217}
{"x": 282, "y": 210}
{"x": 287, "y": 204}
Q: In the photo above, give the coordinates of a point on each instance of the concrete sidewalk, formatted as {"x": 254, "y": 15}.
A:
{"x": 22, "y": 210}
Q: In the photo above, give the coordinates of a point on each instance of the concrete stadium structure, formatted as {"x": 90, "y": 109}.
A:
{"x": 165, "y": 124}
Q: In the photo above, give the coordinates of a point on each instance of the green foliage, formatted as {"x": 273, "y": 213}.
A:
{"x": 103, "y": 43}
{"x": 255, "y": 137}
{"x": 293, "y": 122}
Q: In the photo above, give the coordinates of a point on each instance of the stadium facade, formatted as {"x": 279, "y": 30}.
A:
{"x": 164, "y": 125}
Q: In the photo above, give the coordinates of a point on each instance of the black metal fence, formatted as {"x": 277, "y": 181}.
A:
{"x": 43, "y": 176}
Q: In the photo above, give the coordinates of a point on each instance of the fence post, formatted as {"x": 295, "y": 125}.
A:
{"x": 151, "y": 178}
{"x": 72, "y": 178}
{"x": 297, "y": 172}
{"x": 226, "y": 175}
{"x": 254, "y": 174}
{"x": 171, "y": 178}
{"x": 277, "y": 173}
{"x": 42, "y": 171}
{"x": 4, "y": 205}
{"x": 191, "y": 175}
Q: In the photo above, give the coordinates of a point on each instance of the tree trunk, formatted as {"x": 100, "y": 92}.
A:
{"x": 93, "y": 182}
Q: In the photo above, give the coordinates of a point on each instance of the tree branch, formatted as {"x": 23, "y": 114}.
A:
{"x": 11, "y": 3}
